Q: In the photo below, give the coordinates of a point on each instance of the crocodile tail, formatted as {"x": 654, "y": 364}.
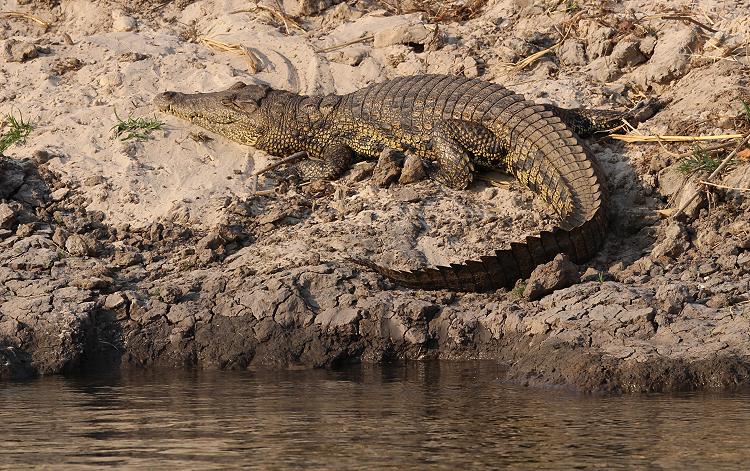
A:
{"x": 581, "y": 234}
{"x": 507, "y": 266}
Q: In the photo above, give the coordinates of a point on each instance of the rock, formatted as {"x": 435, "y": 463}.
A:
{"x": 688, "y": 191}
{"x": 659, "y": 162}
{"x": 25, "y": 230}
{"x": 727, "y": 262}
{"x": 42, "y": 156}
{"x": 673, "y": 243}
{"x": 182, "y": 317}
{"x": 7, "y": 215}
{"x": 360, "y": 172}
{"x": 413, "y": 170}
{"x": 213, "y": 240}
{"x": 743, "y": 260}
{"x": 546, "y": 68}
{"x": 59, "y": 194}
{"x": 671, "y": 57}
{"x": 273, "y": 216}
{"x": 92, "y": 283}
{"x": 572, "y": 52}
{"x": 672, "y": 297}
{"x": 410, "y": 34}
{"x": 591, "y": 274}
{"x": 80, "y": 245}
{"x": 14, "y": 50}
{"x": 115, "y": 301}
{"x": 121, "y": 22}
{"x": 671, "y": 181}
{"x": 680, "y": 189}
{"x": 132, "y": 57}
{"x": 744, "y": 243}
{"x": 718, "y": 301}
{"x": 127, "y": 259}
{"x": 62, "y": 66}
{"x": 307, "y": 7}
{"x": 315, "y": 189}
{"x": 388, "y": 168}
{"x": 739, "y": 177}
{"x": 205, "y": 255}
{"x": 338, "y": 317}
{"x": 351, "y": 56}
{"x": 170, "y": 294}
{"x": 707, "y": 268}
{"x": 647, "y": 45}
{"x": 470, "y": 67}
{"x": 602, "y": 70}
{"x": 616, "y": 269}
{"x": 94, "y": 180}
{"x": 627, "y": 53}
{"x": 11, "y": 177}
{"x": 407, "y": 195}
{"x": 111, "y": 80}
{"x": 599, "y": 42}
{"x": 557, "y": 274}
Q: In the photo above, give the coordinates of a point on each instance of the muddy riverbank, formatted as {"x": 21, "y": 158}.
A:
{"x": 160, "y": 252}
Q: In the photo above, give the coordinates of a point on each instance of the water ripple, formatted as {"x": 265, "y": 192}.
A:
{"x": 426, "y": 415}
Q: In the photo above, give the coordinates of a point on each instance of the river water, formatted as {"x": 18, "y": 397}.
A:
{"x": 425, "y": 415}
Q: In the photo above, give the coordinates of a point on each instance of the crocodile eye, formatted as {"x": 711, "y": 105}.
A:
{"x": 238, "y": 86}
{"x": 244, "y": 106}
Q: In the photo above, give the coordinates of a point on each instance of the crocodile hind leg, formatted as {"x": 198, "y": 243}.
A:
{"x": 333, "y": 162}
{"x": 456, "y": 145}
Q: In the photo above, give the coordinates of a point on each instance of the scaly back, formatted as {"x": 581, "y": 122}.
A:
{"x": 540, "y": 151}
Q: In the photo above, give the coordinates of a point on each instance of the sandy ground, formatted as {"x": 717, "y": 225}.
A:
{"x": 182, "y": 253}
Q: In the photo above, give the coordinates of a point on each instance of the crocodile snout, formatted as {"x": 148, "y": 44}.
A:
{"x": 164, "y": 100}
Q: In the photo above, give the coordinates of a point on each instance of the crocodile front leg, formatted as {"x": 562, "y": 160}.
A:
{"x": 334, "y": 161}
{"x": 456, "y": 145}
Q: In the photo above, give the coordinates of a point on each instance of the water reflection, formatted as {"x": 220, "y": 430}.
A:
{"x": 436, "y": 415}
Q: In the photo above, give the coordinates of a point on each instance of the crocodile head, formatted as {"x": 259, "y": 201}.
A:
{"x": 234, "y": 113}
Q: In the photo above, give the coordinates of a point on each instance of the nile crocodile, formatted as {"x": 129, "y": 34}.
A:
{"x": 456, "y": 123}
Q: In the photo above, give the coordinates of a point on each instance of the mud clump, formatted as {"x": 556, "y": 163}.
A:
{"x": 388, "y": 169}
{"x": 549, "y": 277}
{"x": 13, "y": 50}
{"x": 413, "y": 170}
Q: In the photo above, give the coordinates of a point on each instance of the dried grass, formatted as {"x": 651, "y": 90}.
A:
{"x": 682, "y": 17}
{"x": 723, "y": 187}
{"x": 438, "y": 11}
{"x": 290, "y": 159}
{"x": 641, "y": 138}
{"x": 522, "y": 64}
{"x": 27, "y": 16}
{"x": 254, "y": 62}
{"x": 343, "y": 45}
{"x": 277, "y": 12}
